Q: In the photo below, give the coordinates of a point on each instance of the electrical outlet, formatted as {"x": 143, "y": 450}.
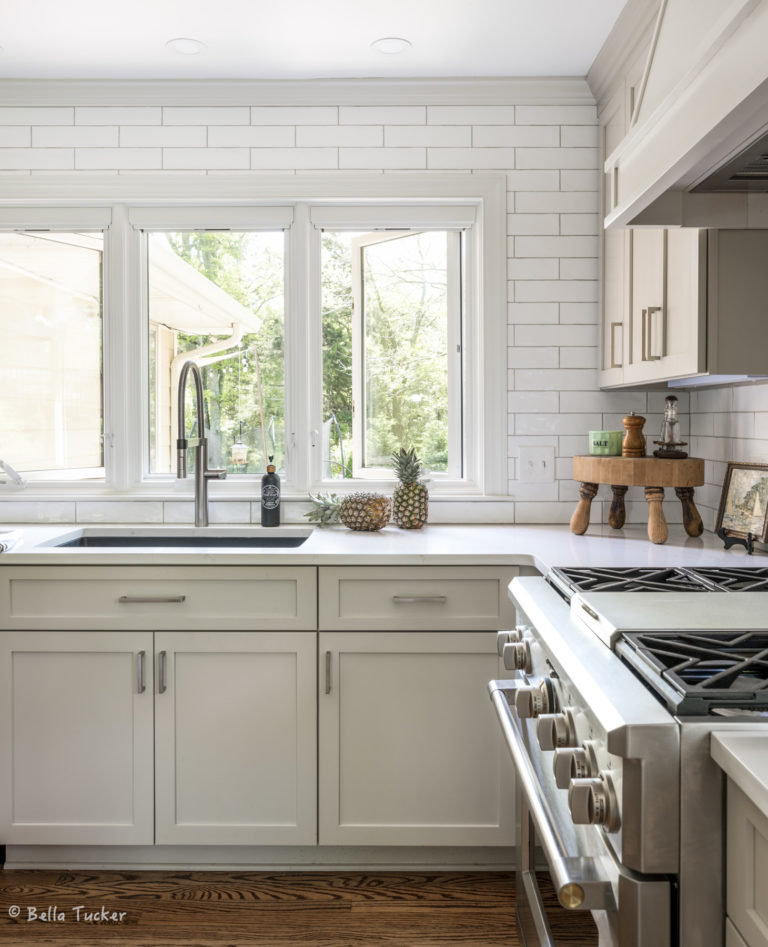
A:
{"x": 536, "y": 464}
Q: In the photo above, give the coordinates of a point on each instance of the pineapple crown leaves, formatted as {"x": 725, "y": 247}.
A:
{"x": 325, "y": 509}
{"x": 408, "y": 467}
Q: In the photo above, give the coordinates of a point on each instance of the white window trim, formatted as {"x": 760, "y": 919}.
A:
{"x": 59, "y": 199}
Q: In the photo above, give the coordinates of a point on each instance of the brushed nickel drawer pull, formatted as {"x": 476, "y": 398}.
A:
{"x": 327, "y": 672}
{"x": 152, "y": 599}
{"x": 419, "y": 599}
{"x": 142, "y": 684}
{"x": 162, "y": 687}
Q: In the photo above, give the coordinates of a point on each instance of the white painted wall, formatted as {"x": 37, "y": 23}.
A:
{"x": 543, "y": 137}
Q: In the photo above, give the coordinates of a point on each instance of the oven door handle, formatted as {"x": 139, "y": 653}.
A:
{"x": 576, "y": 878}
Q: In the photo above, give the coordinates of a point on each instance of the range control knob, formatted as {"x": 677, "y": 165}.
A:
{"x": 532, "y": 701}
{"x": 517, "y": 656}
{"x": 556, "y": 730}
{"x": 507, "y": 637}
{"x": 577, "y": 763}
{"x": 593, "y": 802}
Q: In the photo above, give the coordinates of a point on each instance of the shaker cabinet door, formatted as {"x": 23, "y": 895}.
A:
{"x": 76, "y": 738}
{"x": 410, "y": 752}
{"x": 236, "y": 737}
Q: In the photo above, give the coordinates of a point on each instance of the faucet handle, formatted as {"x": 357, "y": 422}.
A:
{"x": 219, "y": 474}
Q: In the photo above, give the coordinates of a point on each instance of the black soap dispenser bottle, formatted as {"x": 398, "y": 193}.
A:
{"x": 270, "y": 496}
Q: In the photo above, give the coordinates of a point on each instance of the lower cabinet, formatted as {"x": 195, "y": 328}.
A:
{"x": 76, "y": 738}
{"x": 410, "y": 752}
{"x": 236, "y": 738}
{"x": 173, "y": 737}
{"x": 746, "y": 871}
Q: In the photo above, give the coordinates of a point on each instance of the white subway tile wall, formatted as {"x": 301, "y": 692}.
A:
{"x": 550, "y": 157}
{"x": 727, "y": 424}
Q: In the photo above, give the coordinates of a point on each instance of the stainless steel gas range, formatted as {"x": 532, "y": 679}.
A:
{"x": 619, "y": 678}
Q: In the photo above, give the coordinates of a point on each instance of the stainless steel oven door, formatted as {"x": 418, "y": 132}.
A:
{"x": 630, "y": 910}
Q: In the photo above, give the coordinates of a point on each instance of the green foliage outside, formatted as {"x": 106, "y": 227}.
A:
{"x": 405, "y": 339}
{"x": 249, "y": 267}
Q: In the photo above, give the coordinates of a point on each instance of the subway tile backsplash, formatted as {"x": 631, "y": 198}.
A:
{"x": 549, "y": 155}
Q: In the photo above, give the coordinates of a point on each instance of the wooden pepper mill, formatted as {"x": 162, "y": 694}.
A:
{"x": 633, "y": 444}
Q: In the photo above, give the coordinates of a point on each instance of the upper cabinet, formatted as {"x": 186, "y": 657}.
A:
{"x": 684, "y": 303}
{"x": 675, "y": 302}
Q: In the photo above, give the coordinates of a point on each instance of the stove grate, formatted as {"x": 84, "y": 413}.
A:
{"x": 704, "y": 669}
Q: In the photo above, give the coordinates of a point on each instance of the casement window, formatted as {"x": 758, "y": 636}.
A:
{"x": 329, "y": 334}
{"x": 393, "y": 306}
{"x": 51, "y": 301}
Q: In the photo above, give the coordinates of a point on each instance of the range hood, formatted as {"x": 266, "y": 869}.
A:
{"x": 746, "y": 173}
{"x": 697, "y": 150}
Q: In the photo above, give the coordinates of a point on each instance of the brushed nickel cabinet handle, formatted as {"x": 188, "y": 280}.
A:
{"x": 419, "y": 599}
{"x": 327, "y": 672}
{"x": 152, "y": 599}
{"x": 614, "y": 327}
{"x": 162, "y": 687}
{"x": 142, "y": 684}
{"x": 652, "y": 310}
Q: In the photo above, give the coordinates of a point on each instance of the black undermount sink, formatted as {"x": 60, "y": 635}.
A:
{"x": 180, "y": 538}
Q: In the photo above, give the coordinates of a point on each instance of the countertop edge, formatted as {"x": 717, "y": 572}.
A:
{"x": 743, "y": 757}
{"x": 535, "y": 546}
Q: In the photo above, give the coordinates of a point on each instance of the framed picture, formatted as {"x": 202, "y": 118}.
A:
{"x": 744, "y": 501}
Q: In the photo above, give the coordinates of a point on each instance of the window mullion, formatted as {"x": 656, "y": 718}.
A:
{"x": 124, "y": 359}
{"x": 303, "y": 347}
{"x": 454, "y": 302}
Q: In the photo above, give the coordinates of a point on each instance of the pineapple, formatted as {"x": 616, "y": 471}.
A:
{"x": 358, "y": 511}
{"x": 325, "y": 509}
{"x": 411, "y": 498}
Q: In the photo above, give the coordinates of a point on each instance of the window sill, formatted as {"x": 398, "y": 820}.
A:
{"x": 164, "y": 507}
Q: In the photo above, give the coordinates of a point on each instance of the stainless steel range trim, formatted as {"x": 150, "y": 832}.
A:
{"x": 579, "y": 880}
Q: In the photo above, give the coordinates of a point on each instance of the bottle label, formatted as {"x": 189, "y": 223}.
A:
{"x": 270, "y": 496}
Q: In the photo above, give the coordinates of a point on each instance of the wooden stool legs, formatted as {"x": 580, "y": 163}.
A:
{"x": 617, "y": 514}
{"x": 657, "y": 524}
{"x": 580, "y": 518}
{"x": 691, "y": 518}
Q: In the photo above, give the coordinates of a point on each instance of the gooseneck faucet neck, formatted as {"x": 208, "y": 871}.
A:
{"x": 199, "y": 444}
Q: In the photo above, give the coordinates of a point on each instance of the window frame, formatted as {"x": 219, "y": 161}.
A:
{"x": 75, "y": 203}
{"x": 455, "y": 344}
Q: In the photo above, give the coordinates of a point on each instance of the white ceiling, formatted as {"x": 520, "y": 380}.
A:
{"x": 301, "y": 39}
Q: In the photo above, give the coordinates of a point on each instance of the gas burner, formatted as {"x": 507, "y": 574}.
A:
{"x": 571, "y": 580}
{"x": 694, "y": 671}
{"x": 735, "y": 579}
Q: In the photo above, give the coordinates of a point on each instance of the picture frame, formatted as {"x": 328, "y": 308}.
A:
{"x": 743, "y": 508}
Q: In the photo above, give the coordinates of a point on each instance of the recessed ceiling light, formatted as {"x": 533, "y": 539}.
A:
{"x": 391, "y": 45}
{"x": 185, "y": 46}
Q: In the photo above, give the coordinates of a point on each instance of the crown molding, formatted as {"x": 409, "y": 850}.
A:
{"x": 223, "y": 92}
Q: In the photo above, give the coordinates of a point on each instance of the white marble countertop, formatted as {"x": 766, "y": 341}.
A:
{"x": 539, "y": 546}
{"x": 743, "y": 755}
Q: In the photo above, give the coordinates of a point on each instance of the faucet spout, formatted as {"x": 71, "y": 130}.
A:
{"x": 198, "y": 444}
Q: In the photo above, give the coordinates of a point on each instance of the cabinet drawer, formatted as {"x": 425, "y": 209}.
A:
{"x": 421, "y": 598}
{"x": 164, "y": 598}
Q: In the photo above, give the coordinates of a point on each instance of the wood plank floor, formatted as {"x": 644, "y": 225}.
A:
{"x": 268, "y": 909}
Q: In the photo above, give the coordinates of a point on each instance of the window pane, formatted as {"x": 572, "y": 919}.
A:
{"x": 391, "y": 342}
{"x": 218, "y": 298}
{"x": 50, "y": 353}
